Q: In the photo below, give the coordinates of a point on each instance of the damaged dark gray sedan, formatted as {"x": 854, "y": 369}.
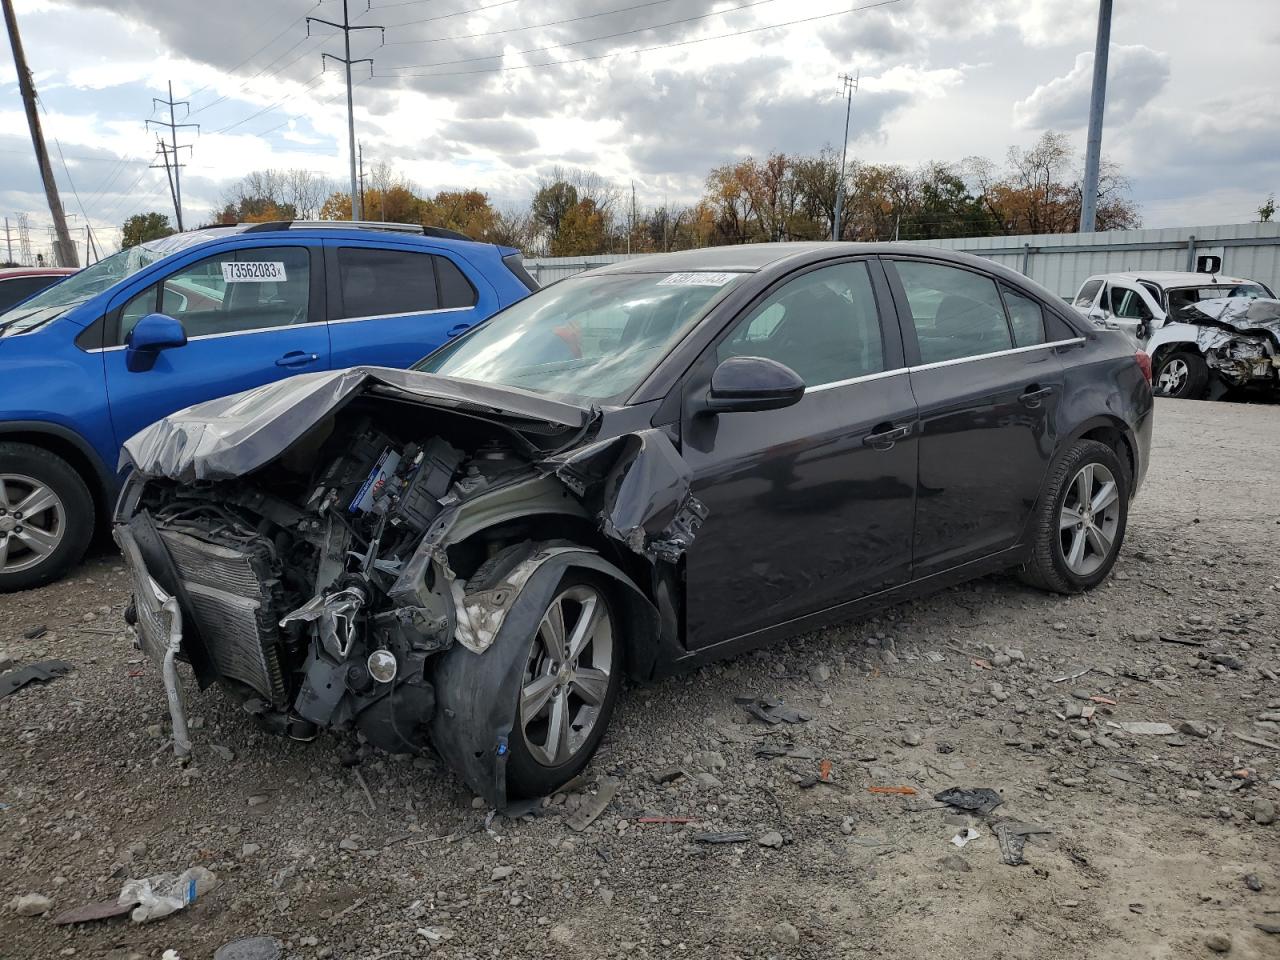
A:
{"x": 635, "y": 470}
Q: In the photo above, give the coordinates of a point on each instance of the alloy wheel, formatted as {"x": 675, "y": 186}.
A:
{"x": 1089, "y": 519}
{"x": 567, "y": 676}
{"x": 33, "y": 522}
{"x": 1173, "y": 376}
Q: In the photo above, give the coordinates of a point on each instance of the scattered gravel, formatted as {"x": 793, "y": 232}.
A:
{"x": 1161, "y": 845}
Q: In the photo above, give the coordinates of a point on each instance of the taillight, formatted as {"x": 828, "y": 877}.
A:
{"x": 1144, "y": 364}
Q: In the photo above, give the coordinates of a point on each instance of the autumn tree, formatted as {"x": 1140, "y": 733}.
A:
{"x": 582, "y": 231}
{"x": 142, "y": 227}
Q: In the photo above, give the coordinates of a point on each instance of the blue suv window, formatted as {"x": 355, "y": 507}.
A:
{"x": 231, "y": 292}
{"x": 379, "y": 283}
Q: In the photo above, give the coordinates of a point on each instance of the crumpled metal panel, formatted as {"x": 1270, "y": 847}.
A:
{"x": 233, "y": 436}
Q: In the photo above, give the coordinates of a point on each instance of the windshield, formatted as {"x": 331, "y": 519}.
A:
{"x": 1183, "y": 297}
{"x": 594, "y": 337}
{"x": 89, "y": 282}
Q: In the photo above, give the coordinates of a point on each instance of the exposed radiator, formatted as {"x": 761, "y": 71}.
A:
{"x": 230, "y": 591}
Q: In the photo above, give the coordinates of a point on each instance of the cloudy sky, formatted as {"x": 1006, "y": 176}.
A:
{"x": 467, "y": 92}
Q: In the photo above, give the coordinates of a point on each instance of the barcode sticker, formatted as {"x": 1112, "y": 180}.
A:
{"x": 254, "y": 272}
{"x": 697, "y": 279}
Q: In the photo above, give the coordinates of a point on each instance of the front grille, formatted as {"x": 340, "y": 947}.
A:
{"x": 229, "y": 590}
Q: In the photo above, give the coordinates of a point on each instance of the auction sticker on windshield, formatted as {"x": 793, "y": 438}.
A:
{"x": 697, "y": 279}
{"x": 254, "y": 272}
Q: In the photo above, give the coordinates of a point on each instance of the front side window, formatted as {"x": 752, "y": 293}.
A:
{"x": 591, "y": 337}
{"x": 1127, "y": 304}
{"x": 824, "y": 325}
{"x": 1026, "y": 317}
{"x": 957, "y": 313}
{"x": 232, "y": 292}
{"x": 1088, "y": 293}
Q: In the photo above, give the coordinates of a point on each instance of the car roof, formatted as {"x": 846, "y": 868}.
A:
{"x": 754, "y": 257}
{"x": 7, "y": 272}
{"x": 1171, "y": 278}
{"x": 293, "y": 228}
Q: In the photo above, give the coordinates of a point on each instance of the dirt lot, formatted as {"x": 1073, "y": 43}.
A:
{"x": 343, "y": 854}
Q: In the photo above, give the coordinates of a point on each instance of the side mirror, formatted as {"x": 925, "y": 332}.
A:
{"x": 741, "y": 384}
{"x": 153, "y": 333}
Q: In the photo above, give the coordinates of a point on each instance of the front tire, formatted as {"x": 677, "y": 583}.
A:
{"x": 571, "y": 679}
{"x": 1080, "y": 522}
{"x": 1182, "y": 375}
{"x": 46, "y": 517}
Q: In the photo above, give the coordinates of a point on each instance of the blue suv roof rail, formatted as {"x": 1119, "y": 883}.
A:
{"x": 414, "y": 228}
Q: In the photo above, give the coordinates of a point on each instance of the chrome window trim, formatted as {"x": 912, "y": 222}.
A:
{"x": 409, "y": 313}
{"x": 942, "y": 363}
{"x": 997, "y": 353}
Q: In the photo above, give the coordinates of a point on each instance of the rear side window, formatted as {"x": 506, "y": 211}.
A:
{"x": 379, "y": 283}
{"x": 1026, "y": 317}
{"x": 455, "y": 289}
{"x": 1088, "y": 293}
{"x": 957, "y": 313}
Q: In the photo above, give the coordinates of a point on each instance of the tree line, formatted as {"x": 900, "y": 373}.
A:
{"x": 576, "y": 212}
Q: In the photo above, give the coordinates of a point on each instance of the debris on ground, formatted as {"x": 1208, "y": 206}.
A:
{"x": 1144, "y": 728}
{"x": 965, "y": 836}
{"x": 250, "y": 948}
{"x": 35, "y": 633}
{"x": 86, "y": 913}
{"x": 1013, "y": 839}
{"x": 165, "y": 893}
{"x": 895, "y": 791}
{"x": 727, "y": 836}
{"x": 594, "y": 804}
{"x": 772, "y": 711}
{"x": 980, "y": 800}
{"x": 42, "y": 672}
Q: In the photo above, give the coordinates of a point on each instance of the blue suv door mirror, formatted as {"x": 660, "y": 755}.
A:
{"x": 153, "y": 333}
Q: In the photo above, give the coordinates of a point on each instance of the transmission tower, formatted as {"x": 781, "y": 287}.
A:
{"x": 24, "y": 241}
{"x": 345, "y": 26}
{"x": 170, "y": 150}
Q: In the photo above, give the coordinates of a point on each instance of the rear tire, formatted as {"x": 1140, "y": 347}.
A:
{"x": 1182, "y": 375}
{"x": 1074, "y": 547}
{"x": 46, "y": 517}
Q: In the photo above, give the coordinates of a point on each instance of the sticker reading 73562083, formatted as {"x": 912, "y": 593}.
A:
{"x": 696, "y": 279}
{"x": 254, "y": 272}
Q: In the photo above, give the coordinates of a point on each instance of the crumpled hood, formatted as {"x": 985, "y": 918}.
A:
{"x": 235, "y": 435}
{"x": 1260, "y": 317}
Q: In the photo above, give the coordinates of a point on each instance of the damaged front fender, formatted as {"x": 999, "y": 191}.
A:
{"x": 478, "y": 694}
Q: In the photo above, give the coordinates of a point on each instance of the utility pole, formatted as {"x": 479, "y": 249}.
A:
{"x": 850, "y": 88}
{"x": 353, "y": 211}
{"x": 357, "y": 205}
{"x": 1093, "y": 151}
{"x": 175, "y": 179}
{"x": 65, "y": 249}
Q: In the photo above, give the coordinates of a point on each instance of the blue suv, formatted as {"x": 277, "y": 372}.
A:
{"x": 89, "y": 362}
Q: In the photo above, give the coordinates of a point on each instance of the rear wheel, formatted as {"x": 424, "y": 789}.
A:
{"x": 571, "y": 678}
{"x": 1182, "y": 375}
{"x": 46, "y": 517}
{"x": 1080, "y": 522}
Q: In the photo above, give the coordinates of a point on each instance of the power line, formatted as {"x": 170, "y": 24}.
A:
{"x": 456, "y": 13}
{"x": 271, "y": 106}
{"x": 292, "y": 23}
{"x": 650, "y": 49}
{"x": 531, "y": 26}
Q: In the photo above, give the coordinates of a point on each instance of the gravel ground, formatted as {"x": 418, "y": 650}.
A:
{"x": 1161, "y": 846}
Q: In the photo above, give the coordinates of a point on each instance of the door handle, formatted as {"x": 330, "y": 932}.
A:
{"x": 457, "y": 328}
{"x": 297, "y": 358}
{"x": 885, "y": 435}
{"x": 1032, "y": 396}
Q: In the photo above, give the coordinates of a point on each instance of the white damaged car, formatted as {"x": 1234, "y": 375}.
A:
{"x": 1206, "y": 334}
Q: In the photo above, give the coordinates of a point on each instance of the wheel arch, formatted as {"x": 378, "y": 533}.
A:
{"x": 71, "y": 447}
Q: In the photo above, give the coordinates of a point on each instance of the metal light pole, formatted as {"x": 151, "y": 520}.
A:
{"x": 346, "y": 28}
{"x": 1093, "y": 152}
{"x": 850, "y": 87}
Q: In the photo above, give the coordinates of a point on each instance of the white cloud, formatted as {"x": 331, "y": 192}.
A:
{"x": 1135, "y": 76}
